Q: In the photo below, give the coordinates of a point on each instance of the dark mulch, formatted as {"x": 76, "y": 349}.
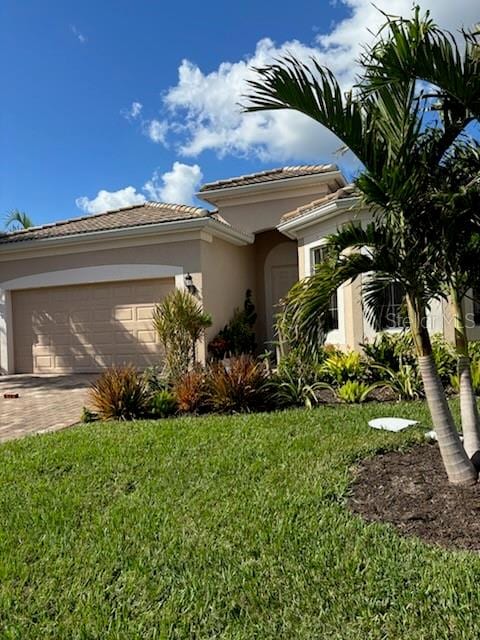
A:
{"x": 409, "y": 489}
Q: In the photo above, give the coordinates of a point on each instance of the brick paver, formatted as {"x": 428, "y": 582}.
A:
{"x": 45, "y": 403}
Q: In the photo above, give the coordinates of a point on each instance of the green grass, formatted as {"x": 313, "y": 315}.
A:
{"x": 217, "y": 527}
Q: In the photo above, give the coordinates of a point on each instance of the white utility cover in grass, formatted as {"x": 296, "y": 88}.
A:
{"x": 392, "y": 424}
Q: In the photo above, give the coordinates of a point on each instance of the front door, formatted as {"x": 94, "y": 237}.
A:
{"x": 282, "y": 280}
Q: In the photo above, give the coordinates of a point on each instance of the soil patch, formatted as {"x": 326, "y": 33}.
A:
{"x": 409, "y": 489}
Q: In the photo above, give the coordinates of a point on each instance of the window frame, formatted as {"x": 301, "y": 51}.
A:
{"x": 334, "y": 309}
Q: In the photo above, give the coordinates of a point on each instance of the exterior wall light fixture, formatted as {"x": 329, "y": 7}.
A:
{"x": 191, "y": 288}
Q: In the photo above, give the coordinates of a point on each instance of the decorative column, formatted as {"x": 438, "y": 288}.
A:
{"x": 6, "y": 332}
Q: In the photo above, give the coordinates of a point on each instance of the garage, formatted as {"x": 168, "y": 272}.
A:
{"x": 85, "y": 328}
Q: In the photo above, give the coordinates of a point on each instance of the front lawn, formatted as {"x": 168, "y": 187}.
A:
{"x": 217, "y": 527}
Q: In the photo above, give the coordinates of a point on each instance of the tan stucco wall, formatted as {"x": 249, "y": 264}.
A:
{"x": 228, "y": 271}
{"x": 183, "y": 254}
{"x": 352, "y": 325}
{"x": 263, "y": 215}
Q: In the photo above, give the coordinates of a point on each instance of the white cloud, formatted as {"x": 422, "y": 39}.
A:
{"x": 80, "y": 36}
{"x": 157, "y": 131}
{"x": 133, "y": 112}
{"x": 106, "y": 200}
{"x": 203, "y": 107}
{"x": 175, "y": 186}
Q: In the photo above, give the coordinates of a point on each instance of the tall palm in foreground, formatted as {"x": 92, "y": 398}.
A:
{"x": 17, "y": 220}
{"x": 452, "y": 210}
{"x": 417, "y": 49}
{"x": 383, "y": 128}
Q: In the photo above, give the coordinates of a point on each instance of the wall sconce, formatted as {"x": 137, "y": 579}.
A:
{"x": 191, "y": 288}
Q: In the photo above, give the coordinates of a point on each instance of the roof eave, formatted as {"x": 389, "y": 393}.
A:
{"x": 216, "y": 228}
{"x": 290, "y": 228}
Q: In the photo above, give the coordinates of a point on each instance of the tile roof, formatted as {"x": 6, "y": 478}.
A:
{"x": 133, "y": 216}
{"x": 349, "y": 191}
{"x": 269, "y": 176}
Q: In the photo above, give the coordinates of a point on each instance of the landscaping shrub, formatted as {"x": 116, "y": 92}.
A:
{"x": 155, "y": 379}
{"x": 239, "y": 386}
{"x": 390, "y": 350}
{"x": 163, "y": 404}
{"x": 190, "y": 391}
{"x": 120, "y": 393}
{"x": 340, "y": 367}
{"x": 445, "y": 357}
{"x": 180, "y": 322}
{"x": 238, "y": 336}
{"x": 297, "y": 364}
{"x": 296, "y": 380}
{"x": 474, "y": 350}
{"x": 293, "y": 390}
{"x": 354, "y": 391}
{"x": 405, "y": 381}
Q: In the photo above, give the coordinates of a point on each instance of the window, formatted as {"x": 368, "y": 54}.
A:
{"x": 319, "y": 255}
{"x": 391, "y": 316}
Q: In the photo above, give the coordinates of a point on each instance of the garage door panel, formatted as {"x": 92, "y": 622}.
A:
{"x": 147, "y": 336}
{"x": 86, "y": 327}
{"x": 102, "y": 315}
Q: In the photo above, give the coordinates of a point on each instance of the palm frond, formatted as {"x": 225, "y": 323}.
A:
{"x": 417, "y": 48}
{"x": 16, "y": 220}
{"x": 315, "y": 92}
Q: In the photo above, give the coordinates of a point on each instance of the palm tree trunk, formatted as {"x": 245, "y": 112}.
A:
{"x": 468, "y": 401}
{"x": 459, "y": 468}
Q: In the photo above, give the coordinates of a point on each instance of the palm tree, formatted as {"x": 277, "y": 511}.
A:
{"x": 17, "y": 220}
{"x": 384, "y": 129}
{"x": 372, "y": 252}
{"x": 419, "y": 50}
{"x": 180, "y": 323}
{"x": 451, "y": 216}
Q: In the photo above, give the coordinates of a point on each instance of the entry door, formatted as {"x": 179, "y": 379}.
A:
{"x": 282, "y": 280}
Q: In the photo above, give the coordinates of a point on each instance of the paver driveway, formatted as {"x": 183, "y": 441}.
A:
{"x": 45, "y": 403}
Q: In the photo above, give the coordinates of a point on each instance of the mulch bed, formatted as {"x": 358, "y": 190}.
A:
{"x": 409, "y": 489}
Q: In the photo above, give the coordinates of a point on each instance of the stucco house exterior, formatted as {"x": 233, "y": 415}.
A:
{"x": 78, "y": 295}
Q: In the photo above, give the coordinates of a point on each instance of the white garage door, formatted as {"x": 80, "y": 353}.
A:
{"x": 85, "y": 328}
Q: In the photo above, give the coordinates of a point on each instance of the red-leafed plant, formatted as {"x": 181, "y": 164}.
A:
{"x": 120, "y": 393}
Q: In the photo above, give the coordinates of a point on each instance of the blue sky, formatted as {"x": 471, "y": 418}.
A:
{"x": 75, "y": 142}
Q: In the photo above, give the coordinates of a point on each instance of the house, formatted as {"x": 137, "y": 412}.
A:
{"x": 78, "y": 295}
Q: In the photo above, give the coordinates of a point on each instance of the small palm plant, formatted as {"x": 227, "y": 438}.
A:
{"x": 180, "y": 322}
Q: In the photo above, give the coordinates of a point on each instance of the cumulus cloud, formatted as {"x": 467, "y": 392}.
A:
{"x": 175, "y": 186}
{"x": 106, "y": 200}
{"x": 133, "y": 112}
{"x": 156, "y": 130}
{"x": 203, "y": 110}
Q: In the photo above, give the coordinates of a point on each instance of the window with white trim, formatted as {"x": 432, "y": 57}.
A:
{"x": 390, "y": 313}
{"x": 319, "y": 255}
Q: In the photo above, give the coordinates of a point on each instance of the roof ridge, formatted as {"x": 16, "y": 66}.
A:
{"x": 313, "y": 168}
{"x": 181, "y": 208}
